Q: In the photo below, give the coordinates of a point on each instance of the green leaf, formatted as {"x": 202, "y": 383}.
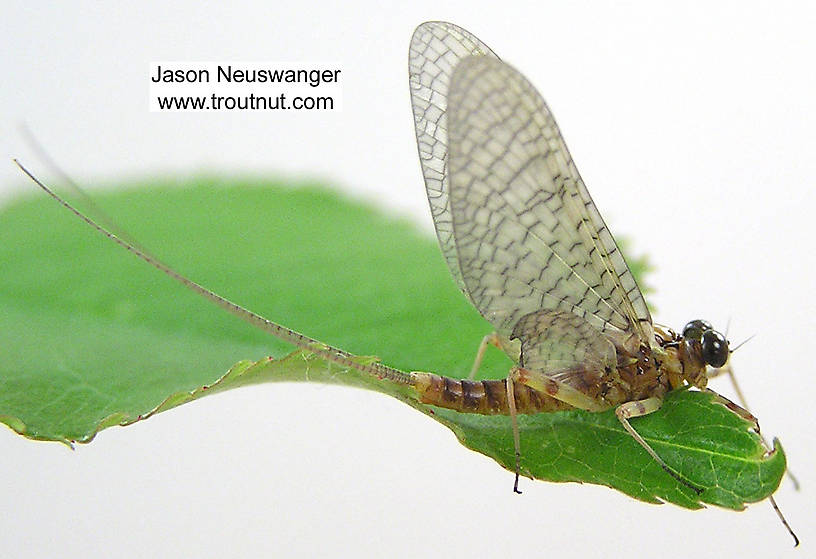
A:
{"x": 92, "y": 337}
{"x": 712, "y": 447}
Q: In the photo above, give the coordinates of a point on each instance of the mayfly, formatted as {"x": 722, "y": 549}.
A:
{"x": 525, "y": 243}
{"x": 528, "y": 248}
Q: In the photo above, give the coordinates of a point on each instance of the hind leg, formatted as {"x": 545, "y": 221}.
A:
{"x": 490, "y": 339}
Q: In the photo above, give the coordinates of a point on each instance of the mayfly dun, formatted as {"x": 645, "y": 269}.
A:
{"x": 526, "y": 245}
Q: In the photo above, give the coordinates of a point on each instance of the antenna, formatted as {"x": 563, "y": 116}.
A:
{"x": 742, "y": 343}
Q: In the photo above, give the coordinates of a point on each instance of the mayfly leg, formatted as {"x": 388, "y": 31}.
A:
{"x": 748, "y": 416}
{"x": 493, "y": 339}
{"x": 511, "y": 404}
{"x": 320, "y": 349}
{"x": 489, "y": 339}
{"x": 727, "y": 369}
{"x": 640, "y": 408}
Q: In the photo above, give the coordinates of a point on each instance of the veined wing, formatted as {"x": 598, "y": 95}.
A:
{"x": 436, "y": 48}
{"x": 527, "y": 234}
{"x": 565, "y": 347}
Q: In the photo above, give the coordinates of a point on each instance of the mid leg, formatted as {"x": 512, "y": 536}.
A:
{"x": 640, "y": 408}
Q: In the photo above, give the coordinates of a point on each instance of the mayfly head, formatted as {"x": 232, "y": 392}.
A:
{"x": 701, "y": 345}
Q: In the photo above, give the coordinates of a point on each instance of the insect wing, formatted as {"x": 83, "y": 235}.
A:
{"x": 527, "y": 235}
{"x": 564, "y": 344}
{"x": 436, "y": 48}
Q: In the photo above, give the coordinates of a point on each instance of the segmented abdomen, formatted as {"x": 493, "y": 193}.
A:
{"x": 486, "y": 397}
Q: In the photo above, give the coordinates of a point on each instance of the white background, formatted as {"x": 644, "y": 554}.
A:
{"x": 693, "y": 126}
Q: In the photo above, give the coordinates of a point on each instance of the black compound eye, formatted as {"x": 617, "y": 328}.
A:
{"x": 694, "y": 329}
{"x": 715, "y": 348}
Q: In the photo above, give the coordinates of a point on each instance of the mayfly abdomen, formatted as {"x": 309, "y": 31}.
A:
{"x": 485, "y": 397}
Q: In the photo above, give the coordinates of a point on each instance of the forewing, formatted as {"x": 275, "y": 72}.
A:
{"x": 436, "y": 48}
{"x": 526, "y": 231}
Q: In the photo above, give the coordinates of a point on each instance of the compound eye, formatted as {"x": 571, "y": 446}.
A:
{"x": 715, "y": 348}
{"x": 694, "y": 329}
